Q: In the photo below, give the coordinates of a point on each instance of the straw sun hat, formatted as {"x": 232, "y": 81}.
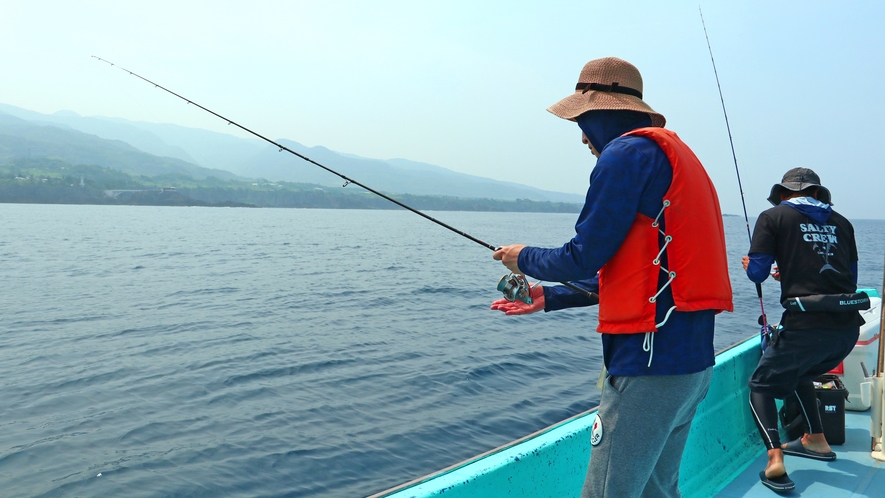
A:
{"x": 606, "y": 84}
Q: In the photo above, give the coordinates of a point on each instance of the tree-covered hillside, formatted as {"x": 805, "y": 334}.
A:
{"x": 24, "y": 139}
{"x": 52, "y": 181}
{"x": 170, "y": 147}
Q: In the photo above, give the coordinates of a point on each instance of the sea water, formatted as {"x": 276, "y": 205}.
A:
{"x": 157, "y": 351}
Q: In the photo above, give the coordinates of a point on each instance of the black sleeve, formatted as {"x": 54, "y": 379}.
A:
{"x": 764, "y": 241}
{"x": 853, "y": 254}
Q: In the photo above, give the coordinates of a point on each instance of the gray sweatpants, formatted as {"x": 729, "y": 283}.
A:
{"x": 644, "y": 425}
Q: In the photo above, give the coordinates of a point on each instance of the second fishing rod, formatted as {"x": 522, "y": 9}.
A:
{"x": 513, "y": 286}
{"x": 763, "y": 320}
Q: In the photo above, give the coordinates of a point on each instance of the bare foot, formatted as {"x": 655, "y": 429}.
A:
{"x": 775, "y": 467}
{"x": 815, "y": 442}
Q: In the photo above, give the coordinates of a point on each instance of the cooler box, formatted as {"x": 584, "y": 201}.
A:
{"x": 866, "y": 351}
{"x": 831, "y": 396}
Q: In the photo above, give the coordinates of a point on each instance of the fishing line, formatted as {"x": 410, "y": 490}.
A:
{"x": 347, "y": 181}
{"x": 763, "y": 320}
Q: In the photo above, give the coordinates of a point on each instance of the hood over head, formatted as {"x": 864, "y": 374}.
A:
{"x": 601, "y": 127}
{"x": 818, "y": 211}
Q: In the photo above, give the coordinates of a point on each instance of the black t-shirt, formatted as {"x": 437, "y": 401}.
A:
{"x": 813, "y": 258}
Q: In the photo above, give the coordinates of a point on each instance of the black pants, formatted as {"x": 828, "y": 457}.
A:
{"x": 788, "y": 368}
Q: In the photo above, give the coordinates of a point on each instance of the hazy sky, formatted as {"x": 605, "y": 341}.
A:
{"x": 465, "y": 84}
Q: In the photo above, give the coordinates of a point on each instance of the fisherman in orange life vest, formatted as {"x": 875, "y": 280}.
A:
{"x": 816, "y": 257}
{"x": 650, "y": 241}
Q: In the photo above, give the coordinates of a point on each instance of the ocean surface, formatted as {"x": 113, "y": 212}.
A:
{"x": 183, "y": 352}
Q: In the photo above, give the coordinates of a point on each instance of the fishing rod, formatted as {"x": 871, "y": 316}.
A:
{"x": 763, "y": 320}
{"x": 513, "y": 286}
{"x": 284, "y": 148}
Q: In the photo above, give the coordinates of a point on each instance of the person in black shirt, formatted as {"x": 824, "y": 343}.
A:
{"x": 816, "y": 255}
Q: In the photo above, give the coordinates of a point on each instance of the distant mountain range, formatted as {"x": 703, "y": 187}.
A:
{"x": 152, "y": 149}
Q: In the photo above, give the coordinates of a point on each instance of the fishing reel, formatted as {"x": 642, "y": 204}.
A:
{"x": 515, "y": 288}
{"x": 769, "y": 333}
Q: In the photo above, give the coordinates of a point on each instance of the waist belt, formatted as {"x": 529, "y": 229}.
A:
{"x": 854, "y": 301}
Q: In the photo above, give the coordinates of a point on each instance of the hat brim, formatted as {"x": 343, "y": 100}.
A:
{"x": 774, "y": 197}
{"x": 578, "y": 103}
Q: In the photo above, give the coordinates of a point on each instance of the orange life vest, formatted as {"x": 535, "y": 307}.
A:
{"x": 694, "y": 243}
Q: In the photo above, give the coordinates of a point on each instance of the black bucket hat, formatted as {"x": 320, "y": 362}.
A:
{"x": 799, "y": 179}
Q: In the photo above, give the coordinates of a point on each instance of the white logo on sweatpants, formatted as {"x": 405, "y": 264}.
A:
{"x": 596, "y": 432}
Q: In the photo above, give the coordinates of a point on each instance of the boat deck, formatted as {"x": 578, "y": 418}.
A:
{"x": 854, "y": 473}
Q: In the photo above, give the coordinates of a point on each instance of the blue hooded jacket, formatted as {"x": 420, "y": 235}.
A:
{"x": 631, "y": 176}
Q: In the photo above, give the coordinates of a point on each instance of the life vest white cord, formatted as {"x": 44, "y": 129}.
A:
{"x": 666, "y": 317}
{"x": 655, "y": 222}
{"x": 648, "y": 345}
{"x": 667, "y": 240}
{"x": 654, "y": 298}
